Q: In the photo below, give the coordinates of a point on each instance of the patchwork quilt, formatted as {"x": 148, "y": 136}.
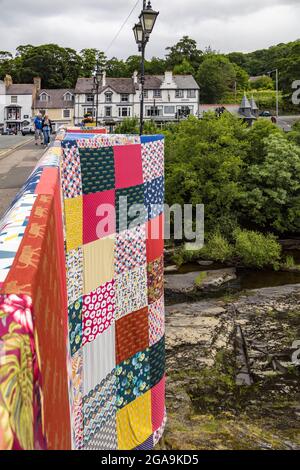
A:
{"x": 113, "y": 195}
{"x": 82, "y": 362}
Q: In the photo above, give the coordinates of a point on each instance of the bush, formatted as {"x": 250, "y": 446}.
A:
{"x": 218, "y": 248}
{"x": 257, "y": 250}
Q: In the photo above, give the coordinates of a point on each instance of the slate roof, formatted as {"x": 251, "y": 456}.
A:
{"x": 20, "y": 89}
{"x": 56, "y": 100}
{"x": 126, "y": 85}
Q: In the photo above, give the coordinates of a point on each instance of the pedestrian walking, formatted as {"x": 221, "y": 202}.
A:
{"x": 38, "y": 126}
{"x": 47, "y": 129}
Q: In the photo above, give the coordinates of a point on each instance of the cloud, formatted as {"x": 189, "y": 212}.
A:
{"x": 224, "y": 25}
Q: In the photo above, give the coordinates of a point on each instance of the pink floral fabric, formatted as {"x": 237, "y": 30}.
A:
{"x": 98, "y": 312}
{"x": 156, "y": 321}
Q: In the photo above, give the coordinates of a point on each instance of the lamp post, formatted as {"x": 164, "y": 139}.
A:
{"x": 142, "y": 31}
{"x": 97, "y": 83}
{"x": 276, "y": 71}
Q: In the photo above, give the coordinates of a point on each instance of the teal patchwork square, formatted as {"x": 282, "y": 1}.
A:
{"x": 97, "y": 169}
{"x": 127, "y": 201}
{"x": 75, "y": 326}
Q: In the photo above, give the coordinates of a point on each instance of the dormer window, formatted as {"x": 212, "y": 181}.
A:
{"x": 68, "y": 97}
{"x": 44, "y": 97}
{"x": 108, "y": 97}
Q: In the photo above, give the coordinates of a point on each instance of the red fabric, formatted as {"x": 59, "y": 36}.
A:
{"x": 132, "y": 335}
{"x": 155, "y": 238}
{"x": 128, "y": 166}
{"x": 48, "y": 181}
{"x": 158, "y": 404}
{"x": 93, "y": 228}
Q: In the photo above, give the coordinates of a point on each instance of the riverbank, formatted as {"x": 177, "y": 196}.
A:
{"x": 231, "y": 381}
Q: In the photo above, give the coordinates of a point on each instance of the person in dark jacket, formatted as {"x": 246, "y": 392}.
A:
{"x": 47, "y": 129}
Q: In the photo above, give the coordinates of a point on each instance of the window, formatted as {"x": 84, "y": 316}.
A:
{"x": 157, "y": 93}
{"x": 108, "y": 97}
{"x": 145, "y": 93}
{"x": 44, "y": 97}
{"x": 66, "y": 113}
{"x": 124, "y": 98}
{"x": 124, "y": 112}
{"x": 68, "y": 97}
{"x": 108, "y": 111}
{"x": 169, "y": 110}
{"x": 91, "y": 111}
{"x": 14, "y": 99}
{"x": 154, "y": 111}
{"x": 89, "y": 98}
{"x": 179, "y": 94}
{"x": 191, "y": 93}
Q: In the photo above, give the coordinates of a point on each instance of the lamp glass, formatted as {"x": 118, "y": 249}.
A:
{"x": 148, "y": 18}
{"x": 138, "y": 33}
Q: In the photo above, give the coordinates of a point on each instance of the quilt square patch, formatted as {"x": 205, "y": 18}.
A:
{"x": 73, "y": 221}
{"x": 155, "y": 280}
{"x": 154, "y": 197}
{"x": 98, "y": 311}
{"x": 155, "y": 238}
{"x": 157, "y": 362}
{"x": 128, "y": 165}
{"x": 75, "y": 325}
{"x": 158, "y": 404}
{"x": 71, "y": 172}
{"x": 134, "y": 423}
{"x": 99, "y": 262}
{"x": 77, "y": 396}
{"x": 99, "y": 359}
{"x": 133, "y": 378}
{"x": 130, "y": 208}
{"x": 99, "y": 220}
{"x": 105, "y": 439}
{"x": 132, "y": 335}
{"x": 98, "y": 169}
{"x": 99, "y": 408}
{"x": 156, "y": 321}
{"x": 130, "y": 249}
{"x": 153, "y": 161}
{"x": 74, "y": 262}
{"x": 131, "y": 291}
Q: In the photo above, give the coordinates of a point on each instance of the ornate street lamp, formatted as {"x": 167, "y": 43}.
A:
{"x": 142, "y": 31}
{"x": 97, "y": 83}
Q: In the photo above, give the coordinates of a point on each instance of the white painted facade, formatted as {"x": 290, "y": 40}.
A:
{"x": 166, "y": 98}
{"x": 15, "y": 104}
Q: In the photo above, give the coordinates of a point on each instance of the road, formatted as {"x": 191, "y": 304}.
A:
{"x": 15, "y": 169}
{"x": 286, "y": 122}
{"x": 9, "y": 142}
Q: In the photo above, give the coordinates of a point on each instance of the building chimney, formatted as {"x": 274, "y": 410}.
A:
{"x": 37, "y": 81}
{"x": 104, "y": 79}
{"x": 8, "y": 80}
{"x": 169, "y": 77}
{"x": 135, "y": 77}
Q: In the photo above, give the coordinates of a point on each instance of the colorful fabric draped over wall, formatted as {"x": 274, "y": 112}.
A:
{"x": 115, "y": 289}
{"x": 81, "y": 299}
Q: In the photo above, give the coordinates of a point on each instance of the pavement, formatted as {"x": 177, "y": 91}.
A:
{"x": 11, "y": 142}
{"x": 16, "y": 167}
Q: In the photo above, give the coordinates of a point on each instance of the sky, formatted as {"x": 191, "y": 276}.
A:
{"x": 225, "y": 25}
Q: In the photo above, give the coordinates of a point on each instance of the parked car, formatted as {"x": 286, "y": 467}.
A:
{"x": 266, "y": 114}
{"x": 27, "y": 130}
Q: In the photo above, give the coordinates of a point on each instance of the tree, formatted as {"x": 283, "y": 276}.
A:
{"x": 263, "y": 83}
{"x": 185, "y": 68}
{"x": 89, "y": 60}
{"x": 116, "y": 68}
{"x": 185, "y": 49}
{"x": 271, "y": 196}
{"x": 216, "y": 77}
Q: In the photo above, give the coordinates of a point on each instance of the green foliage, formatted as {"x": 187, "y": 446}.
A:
{"x": 271, "y": 196}
{"x": 289, "y": 262}
{"x": 185, "y": 49}
{"x": 199, "y": 279}
{"x": 257, "y": 250}
{"x": 263, "y": 83}
{"x": 216, "y": 77}
{"x": 128, "y": 126}
{"x": 218, "y": 248}
{"x": 185, "y": 68}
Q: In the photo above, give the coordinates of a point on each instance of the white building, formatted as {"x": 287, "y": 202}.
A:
{"x": 15, "y": 104}
{"x": 166, "y": 98}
